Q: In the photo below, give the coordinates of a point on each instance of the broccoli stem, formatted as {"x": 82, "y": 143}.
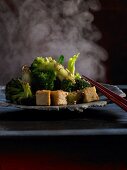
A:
{"x": 27, "y": 90}
{"x": 48, "y": 63}
{"x": 26, "y": 74}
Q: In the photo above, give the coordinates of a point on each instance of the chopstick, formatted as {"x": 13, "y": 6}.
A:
{"x": 120, "y": 101}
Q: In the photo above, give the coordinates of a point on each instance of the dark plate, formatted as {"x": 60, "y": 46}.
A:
{"x": 45, "y": 121}
{"x": 76, "y": 107}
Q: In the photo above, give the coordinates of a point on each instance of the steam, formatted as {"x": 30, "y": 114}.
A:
{"x": 30, "y": 28}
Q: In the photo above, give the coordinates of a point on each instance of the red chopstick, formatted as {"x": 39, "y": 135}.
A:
{"x": 120, "y": 101}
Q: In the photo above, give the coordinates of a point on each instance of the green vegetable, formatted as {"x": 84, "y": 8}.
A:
{"x": 43, "y": 80}
{"x": 57, "y": 84}
{"x": 43, "y": 64}
{"x": 44, "y": 73}
{"x": 71, "y": 63}
{"x": 81, "y": 84}
{"x": 67, "y": 85}
{"x": 77, "y": 76}
{"x": 18, "y": 91}
{"x": 61, "y": 59}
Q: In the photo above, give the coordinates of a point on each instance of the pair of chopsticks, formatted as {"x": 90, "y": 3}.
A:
{"x": 120, "y": 101}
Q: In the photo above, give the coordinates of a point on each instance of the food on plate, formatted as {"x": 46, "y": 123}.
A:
{"x": 48, "y": 82}
{"x": 18, "y": 91}
{"x": 43, "y": 97}
{"x": 89, "y": 94}
{"x": 59, "y": 97}
{"x": 74, "y": 97}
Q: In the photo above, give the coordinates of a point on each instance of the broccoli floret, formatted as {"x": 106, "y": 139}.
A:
{"x": 48, "y": 64}
{"x": 81, "y": 84}
{"x": 57, "y": 84}
{"x": 19, "y": 92}
{"x": 43, "y": 80}
{"x": 67, "y": 85}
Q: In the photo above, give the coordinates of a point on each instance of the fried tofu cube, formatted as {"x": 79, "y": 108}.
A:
{"x": 59, "y": 97}
{"x": 73, "y": 97}
{"x": 89, "y": 94}
{"x": 43, "y": 97}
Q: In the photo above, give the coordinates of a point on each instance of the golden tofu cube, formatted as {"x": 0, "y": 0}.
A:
{"x": 43, "y": 98}
{"x": 89, "y": 94}
{"x": 59, "y": 97}
{"x": 73, "y": 97}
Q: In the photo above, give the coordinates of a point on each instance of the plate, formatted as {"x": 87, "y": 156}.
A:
{"x": 77, "y": 107}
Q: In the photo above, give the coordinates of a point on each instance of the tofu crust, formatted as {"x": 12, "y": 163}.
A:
{"x": 89, "y": 94}
{"x": 74, "y": 97}
{"x": 43, "y": 98}
{"x": 59, "y": 97}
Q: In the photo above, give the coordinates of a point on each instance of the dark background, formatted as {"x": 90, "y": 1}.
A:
{"x": 112, "y": 22}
